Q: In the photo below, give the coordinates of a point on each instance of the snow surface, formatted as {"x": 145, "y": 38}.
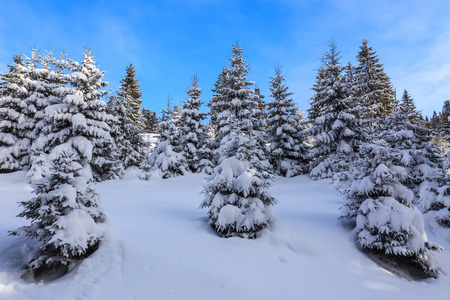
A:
{"x": 160, "y": 246}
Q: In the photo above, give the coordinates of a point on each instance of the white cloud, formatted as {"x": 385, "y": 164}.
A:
{"x": 427, "y": 77}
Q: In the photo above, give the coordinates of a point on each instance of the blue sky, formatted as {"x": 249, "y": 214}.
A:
{"x": 169, "y": 41}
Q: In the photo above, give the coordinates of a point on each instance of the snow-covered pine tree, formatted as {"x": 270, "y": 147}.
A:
{"x": 215, "y": 106}
{"x": 129, "y": 90}
{"x": 314, "y": 110}
{"x": 14, "y": 121}
{"x": 176, "y": 112}
{"x": 26, "y": 92}
{"x": 287, "y": 150}
{"x": 412, "y": 141}
{"x": 74, "y": 140}
{"x": 165, "y": 158}
{"x": 376, "y": 90}
{"x": 261, "y": 106}
{"x": 47, "y": 73}
{"x": 193, "y": 133}
{"x": 434, "y": 195}
{"x": 131, "y": 148}
{"x": 434, "y": 198}
{"x": 78, "y": 117}
{"x": 65, "y": 214}
{"x": 236, "y": 104}
{"x": 150, "y": 121}
{"x": 387, "y": 222}
{"x": 237, "y": 190}
{"x": 337, "y": 130}
{"x": 409, "y": 106}
{"x": 259, "y": 120}
{"x": 445, "y": 121}
{"x": 435, "y": 122}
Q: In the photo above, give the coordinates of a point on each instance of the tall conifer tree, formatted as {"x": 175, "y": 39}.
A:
{"x": 129, "y": 89}
{"x": 409, "y": 106}
{"x": 237, "y": 194}
{"x": 376, "y": 90}
{"x": 193, "y": 133}
{"x": 287, "y": 150}
{"x": 337, "y": 128}
{"x": 75, "y": 141}
{"x": 14, "y": 124}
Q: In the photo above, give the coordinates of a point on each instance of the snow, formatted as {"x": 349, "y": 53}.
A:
{"x": 160, "y": 246}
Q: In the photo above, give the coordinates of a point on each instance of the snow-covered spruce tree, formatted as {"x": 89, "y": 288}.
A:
{"x": 376, "y": 90}
{"x": 417, "y": 156}
{"x": 150, "y": 121}
{"x": 445, "y": 121}
{"x": 165, "y": 158}
{"x": 131, "y": 148}
{"x": 237, "y": 190}
{"x": 412, "y": 141}
{"x": 335, "y": 117}
{"x": 314, "y": 110}
{"x": 434, "y": 198}
{"x": 193, "y": 133}
{"x": 236, "y": 105}
{"x": 287, "y": 150}
{"x": 434, "y": 193}
{"x": 79, "y": 118}
{"x": 176, "y": 112}
{"x": 435, "y": 122}
{"x": 409, "y": 106}
{"x": 129, "y": 90}
{"x": 261, "y": 116}
{"x": 65, "y": 216}
{"x": 215, "y": 106}
{"x": 25, "y": 93}
{"x": 47, "y": 74}
{"x": 387, "y": 222}
{"x": 14, "y": 121}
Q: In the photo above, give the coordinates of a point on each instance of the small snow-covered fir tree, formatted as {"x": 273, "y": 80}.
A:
{"x": 193, "y": 133}
{"x": 434, "y": 198}
{"x": 387, "y": 222}
{"x": 287, "y": 150}
{"x": 237, "y": 194}
{"x": 373, "y": 153}
{"x": 412, "y": 141}
{"x": 65, "y": 214}
{"x": 166, "y": 159}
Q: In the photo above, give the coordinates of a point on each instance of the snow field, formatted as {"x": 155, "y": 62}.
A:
{"x": 160, "y": 246}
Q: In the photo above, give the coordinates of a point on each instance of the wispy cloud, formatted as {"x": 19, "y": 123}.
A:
{"x": 428, "y": 78}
